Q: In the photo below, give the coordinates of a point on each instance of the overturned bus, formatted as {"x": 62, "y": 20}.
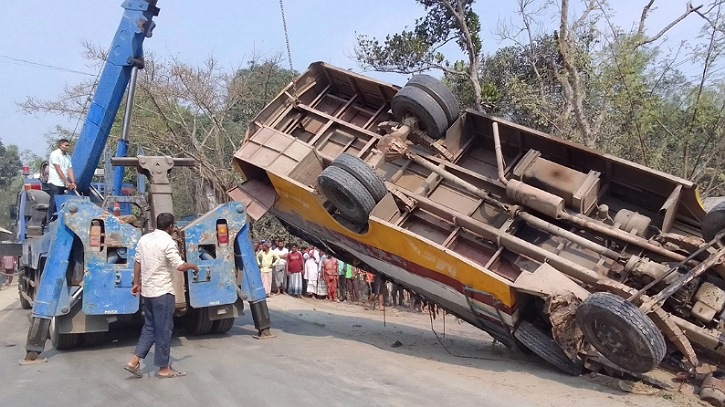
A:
{"x": 588, "y": 260}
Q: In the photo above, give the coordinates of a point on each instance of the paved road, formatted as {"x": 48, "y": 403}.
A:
{"x": 331, "y": 354}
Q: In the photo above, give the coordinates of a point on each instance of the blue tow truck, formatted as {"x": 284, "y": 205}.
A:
{"x": 77, "y": 270}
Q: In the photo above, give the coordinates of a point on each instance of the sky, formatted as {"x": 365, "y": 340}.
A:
{"x": 41, "y": 41}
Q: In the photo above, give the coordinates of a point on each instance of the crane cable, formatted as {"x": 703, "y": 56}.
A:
{"x": 289, "y": 51}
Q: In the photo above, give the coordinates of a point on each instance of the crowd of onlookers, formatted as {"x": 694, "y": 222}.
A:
{"x": 310, "y": 272}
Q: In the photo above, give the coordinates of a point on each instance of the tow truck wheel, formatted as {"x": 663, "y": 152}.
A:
{"x": 415, "y": 102}
{"x": 221, "y": 326}
{"x": 198, "y": 323}
{"x": 714, "y": 222}
{"x": 535, "y": 340}
{"x": 92, "y": 338}
{"x": 363, "y": 173}
{"x": 347, "y": 194}
{"x": 438, "y": 91}
{"x": 24, "y": 303}
{"x": 62, "y": 341}
{"x": 621, "y": 332}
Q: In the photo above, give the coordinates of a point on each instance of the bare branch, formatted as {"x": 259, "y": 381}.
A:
{"x": 690, "y": 9}
{"x": 643, "y": 18}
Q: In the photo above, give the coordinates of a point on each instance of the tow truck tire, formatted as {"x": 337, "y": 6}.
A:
{"x": 714, "y": 222}
{"x": 221, "y": 326}
{"x": 92, "y": 338}
{"x": 24, "y": 303}
{"x": 363, "y": 173}
{"x": 62, "y": 341}
{"x": 438, "y": 91}
{"x": 535, "y": 340}
{"x": 413, "y": 101}
{"x": 198, "y": 322}
{"x": 621, "y": 332}
{"x": 347, "y": 194}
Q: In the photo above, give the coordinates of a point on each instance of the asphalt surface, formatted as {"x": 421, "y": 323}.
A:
{"x": 324, "y": 353}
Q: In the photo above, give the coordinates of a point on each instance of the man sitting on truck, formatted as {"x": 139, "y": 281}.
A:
{"x": 60, "y": 174}
{"x": 157, "y": 257}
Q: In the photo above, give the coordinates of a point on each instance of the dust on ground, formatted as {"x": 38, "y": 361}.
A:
{"x": 466, "y": 351}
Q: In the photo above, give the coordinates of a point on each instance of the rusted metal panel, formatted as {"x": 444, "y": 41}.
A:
{"x": 546, "y": 281}
{"x": 108, "y": 269}
{"x": 256, "y": 196}
{"x": 216, "y": 282}
{"x": 492, "y": 212}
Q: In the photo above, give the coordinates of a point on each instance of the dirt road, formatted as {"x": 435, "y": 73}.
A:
{"x": 324, "y": 353}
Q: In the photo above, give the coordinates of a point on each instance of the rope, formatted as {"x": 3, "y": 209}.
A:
{"x": 430, "y": 315}
{"x": 289, "y": 50}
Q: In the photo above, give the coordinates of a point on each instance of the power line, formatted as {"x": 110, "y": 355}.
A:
{"x": 19, "y": 61}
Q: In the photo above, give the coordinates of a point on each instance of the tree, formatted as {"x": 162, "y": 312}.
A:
{"x": 419, "y": 49}
{"x": 615, "y": 89}
{"x": 10, "y": 165}
{"x": 10, "y": 183}
{"x": 519, "y": 84}
{"x": 181, "y": 110}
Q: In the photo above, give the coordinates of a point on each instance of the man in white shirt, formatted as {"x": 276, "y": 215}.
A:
{"x": 280, "y": 279}
{"x": 157, "y": 257}
{"x": 60, "y": 174}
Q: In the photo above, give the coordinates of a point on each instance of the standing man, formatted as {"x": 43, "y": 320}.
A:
{"x": 10, "y": 264}
{"x": 294, "y": 268}
{"x": 266, "y": 259}
{"x": 280, "y": 276}
{"x": 342, "y": 295}
{"x": 157, "y": 257}
{"x": 60, "y": 175}
{"x": 312, "y": 271}
{"x": 351, "y": 273}
{"x": 329, "y": 272}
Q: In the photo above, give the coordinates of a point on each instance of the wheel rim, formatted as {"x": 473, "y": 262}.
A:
{"x": 337, "y": 186}
{"x": 343, "y": 201}
{"x": 621, "y": 332}
{"x": 420, "y": 120}
{"x": 611, "y": 338}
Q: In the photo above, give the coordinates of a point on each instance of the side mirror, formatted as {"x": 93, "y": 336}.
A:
{"x": 13, "y": 211}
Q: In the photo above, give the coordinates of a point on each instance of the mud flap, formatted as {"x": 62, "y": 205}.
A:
{"x": 226, "y": 311}
{"x": 78, "y": 322}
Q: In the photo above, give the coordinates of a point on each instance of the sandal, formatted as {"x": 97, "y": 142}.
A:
{"x": 134, "y": 370}
{"x": 172, "y": 373}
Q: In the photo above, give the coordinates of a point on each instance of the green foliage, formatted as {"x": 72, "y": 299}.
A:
{"x": 201, "y": 113}
{"x": 8, "y": 198}
{"x": 519, "y": 83}
{"x": 418, "y": 49}
{"x": 268, "y": 227}
{"x": 10, "y": 183}
{"x": 261, "y": 83}
{"x": 620, "y": 92}
{"x": 10, "y": 165}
